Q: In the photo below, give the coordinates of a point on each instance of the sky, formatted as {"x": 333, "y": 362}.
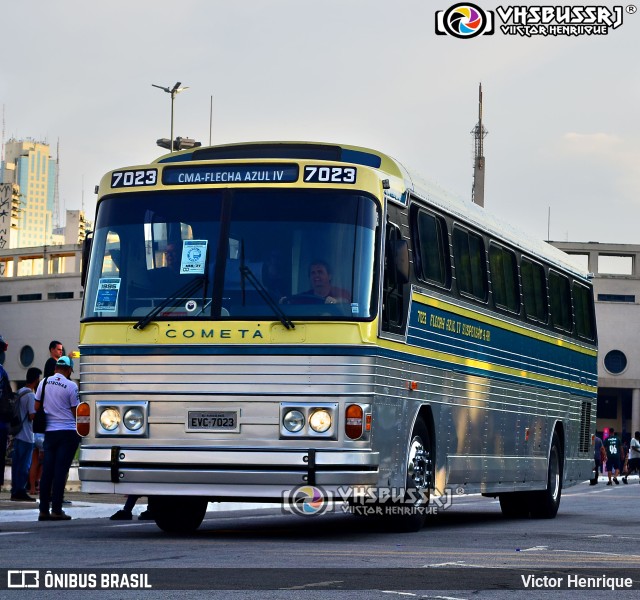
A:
{"x": 562, "y": 113}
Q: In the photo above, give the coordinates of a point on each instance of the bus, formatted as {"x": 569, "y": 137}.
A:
{"x": 313, "y": 325}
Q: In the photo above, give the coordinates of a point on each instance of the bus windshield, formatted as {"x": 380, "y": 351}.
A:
{"x": 233, "y": 254}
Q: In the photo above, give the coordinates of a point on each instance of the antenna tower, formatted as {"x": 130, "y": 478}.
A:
{"x": 478, "y": 133}
{"x": 3, "y": 131}
{"x": 56, "y": 193}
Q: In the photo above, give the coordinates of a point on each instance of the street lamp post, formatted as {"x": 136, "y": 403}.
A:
{"x": 176, "y": 89}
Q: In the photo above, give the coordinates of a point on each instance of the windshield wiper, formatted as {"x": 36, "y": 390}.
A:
{"x": 247, "y": 274}
{"x": 186, "y": 290}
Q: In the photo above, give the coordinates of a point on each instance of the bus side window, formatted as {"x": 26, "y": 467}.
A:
{"x": 432, "y": 255}
{"x": 534, "y": 290}
{"x": 396, "y": 278}
{"x": 504, "y": 278}
{"x": 470, "y": 263}
{"x": 584, "y": 311}
{"x": 560, "y": 299}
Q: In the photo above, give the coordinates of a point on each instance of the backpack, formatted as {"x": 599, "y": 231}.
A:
{"x": 7, "y": 398}
{"x": 17, "y": 422}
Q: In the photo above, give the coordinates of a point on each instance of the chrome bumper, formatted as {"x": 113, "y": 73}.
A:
{"x": 222, "y": 473}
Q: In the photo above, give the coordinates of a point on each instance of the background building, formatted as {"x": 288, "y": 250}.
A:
{"x": 616, "y": 283}
{"x": 29, "y": 166}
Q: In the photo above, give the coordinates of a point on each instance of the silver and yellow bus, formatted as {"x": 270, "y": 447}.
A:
{"x": 268, "y": 321}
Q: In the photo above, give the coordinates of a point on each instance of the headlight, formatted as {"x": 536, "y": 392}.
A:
{"x": 320, "y": 421}
{"x": 133, "y": 419}
{"x": 293, "y": 421}
{"x": 110, "y": 419}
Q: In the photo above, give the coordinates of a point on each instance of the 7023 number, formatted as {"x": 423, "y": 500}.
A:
{"x": 134, "y": 178}
{"x": 330, "y": 174}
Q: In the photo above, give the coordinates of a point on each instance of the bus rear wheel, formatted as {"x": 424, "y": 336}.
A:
{"x": 178, "y": 514}
{"x": 545, "y": 504}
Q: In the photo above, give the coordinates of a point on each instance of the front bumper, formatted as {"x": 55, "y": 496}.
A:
{"x": 223, "y": 474}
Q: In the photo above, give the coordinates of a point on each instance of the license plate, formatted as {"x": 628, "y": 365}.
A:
{"x": 225, "y": 420}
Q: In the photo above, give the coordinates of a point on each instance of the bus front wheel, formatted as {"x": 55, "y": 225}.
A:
{"x": 178, "y": 514}
{"x": 412, "y": 513}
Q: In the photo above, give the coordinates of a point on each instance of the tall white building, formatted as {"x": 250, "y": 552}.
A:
{"x": 28, "y": 165}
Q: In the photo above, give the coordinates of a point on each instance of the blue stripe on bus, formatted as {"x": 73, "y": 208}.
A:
{"x": 442, "y": 331}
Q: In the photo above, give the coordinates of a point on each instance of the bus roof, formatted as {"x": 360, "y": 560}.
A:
{"x": 432, "y": 193}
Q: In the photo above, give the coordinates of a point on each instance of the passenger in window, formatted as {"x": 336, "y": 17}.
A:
{"x": 322, "y": 290}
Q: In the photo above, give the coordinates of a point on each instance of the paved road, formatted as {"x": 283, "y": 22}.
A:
{"x": 470, "y": 544}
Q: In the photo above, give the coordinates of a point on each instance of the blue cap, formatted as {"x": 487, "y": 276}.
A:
{"x": 65, "y": 361}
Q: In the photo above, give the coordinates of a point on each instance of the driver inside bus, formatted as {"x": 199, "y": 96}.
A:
{"x": 322, "y": 290}
{"x": 172, "y": 258}
{"x": 167, "y": 278}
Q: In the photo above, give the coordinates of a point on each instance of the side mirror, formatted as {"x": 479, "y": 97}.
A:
{"x": 86, "y": 253}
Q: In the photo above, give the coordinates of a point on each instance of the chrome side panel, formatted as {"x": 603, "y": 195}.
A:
{"x": 490, "y": 435}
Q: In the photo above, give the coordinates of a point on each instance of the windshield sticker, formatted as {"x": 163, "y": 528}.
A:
{"x": 107, "y": 297}
{"x": 194, "y": 256}
{"x": 191, "y": 305}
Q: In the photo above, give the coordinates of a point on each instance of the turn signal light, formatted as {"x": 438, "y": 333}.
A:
{"x": 353, "y": 421}
{"x": 83, "y": 419}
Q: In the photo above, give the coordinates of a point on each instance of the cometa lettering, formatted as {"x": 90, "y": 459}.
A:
{"x": 224, "y": 334}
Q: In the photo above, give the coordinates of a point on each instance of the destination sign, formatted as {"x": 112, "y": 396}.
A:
{"x": 222, "y": 174}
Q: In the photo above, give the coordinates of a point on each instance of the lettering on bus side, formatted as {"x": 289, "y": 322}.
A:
{"x": 219, "y": 334}
{"x": 453, "y": 325}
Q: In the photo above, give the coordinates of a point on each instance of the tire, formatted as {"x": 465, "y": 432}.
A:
{"x": 178, "y": 514}
{"x": 545, "y": 504}
{"x": 418, "y": 484}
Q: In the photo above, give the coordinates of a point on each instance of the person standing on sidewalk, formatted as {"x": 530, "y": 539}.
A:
{"x": 634, "y": 456}
{"x": 55, "y": 351}
{"x": 59, "y": 395}
{"x": 4, "y": 419}
{"x": 613, "y": 446}
{"x": 597, "y": 459}
{"x": 23, "y": 440}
